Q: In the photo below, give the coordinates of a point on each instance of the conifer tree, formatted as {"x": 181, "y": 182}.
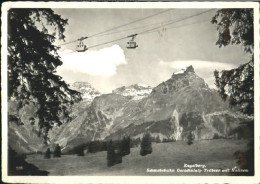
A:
{"x": 110, "y": 154}
{"x": 125, "y": 145}
{"x": 190, "y": 138}
{"x": 47, "y": 154}
{"x": 57, "y": 151}
{"x": 236, "y": 27}
{"x": 32, "y": 63}
{"x": 146, "y": 145}
{"x": 128, "y": 145}
{"x": 118, "y": 155}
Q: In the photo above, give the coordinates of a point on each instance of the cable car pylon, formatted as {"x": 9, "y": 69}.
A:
{"x": 81, "y": 47}
{"x": 132, "y": 44}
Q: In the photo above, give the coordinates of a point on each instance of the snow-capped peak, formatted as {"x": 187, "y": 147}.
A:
{"x": 87, "y": 91}
{"x": 136, "y": 90}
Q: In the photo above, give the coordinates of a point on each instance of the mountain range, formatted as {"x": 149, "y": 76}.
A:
{"x": 184, "y": 103}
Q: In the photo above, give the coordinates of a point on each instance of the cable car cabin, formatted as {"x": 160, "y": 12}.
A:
{"x": 81, "y": 47}
{"x": 131, "y": 45}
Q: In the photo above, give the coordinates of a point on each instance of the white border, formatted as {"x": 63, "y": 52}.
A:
{"x": 126, "y": 179}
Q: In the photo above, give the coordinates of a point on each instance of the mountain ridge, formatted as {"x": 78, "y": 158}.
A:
{"x": 184, "y": 103}
{"x": 181, "y": 104}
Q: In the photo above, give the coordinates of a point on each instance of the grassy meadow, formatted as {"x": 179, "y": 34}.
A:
{"x": 214, "y": 154}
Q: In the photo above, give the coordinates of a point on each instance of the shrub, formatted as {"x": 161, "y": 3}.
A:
{"x": 158, "y": 140}
{"x": 216, "y": 136}
{"x": 168, "y": 140}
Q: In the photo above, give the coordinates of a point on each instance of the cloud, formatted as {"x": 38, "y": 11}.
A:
{"x": 198, "y": 64}
{"x": 103, "y": 62}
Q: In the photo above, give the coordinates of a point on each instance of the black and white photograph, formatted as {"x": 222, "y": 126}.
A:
{"x": 130, "y": 89}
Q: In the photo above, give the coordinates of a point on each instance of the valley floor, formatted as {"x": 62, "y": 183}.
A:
{"x": 214, "y": 154}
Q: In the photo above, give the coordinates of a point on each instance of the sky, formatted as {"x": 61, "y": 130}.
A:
{"x": 159, "y": 54}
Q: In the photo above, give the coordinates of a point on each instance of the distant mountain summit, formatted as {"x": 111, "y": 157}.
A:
{"x": 87, "y": 91}
{"x": 137, "y": 91}
{"x": 184, "y": 78}
{"x": 185, "y": 71}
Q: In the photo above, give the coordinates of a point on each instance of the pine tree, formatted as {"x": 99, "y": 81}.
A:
{"x": 236, "y": 27}
{"x": 57, "y": 151}
{"x": 128, "y": 143}
{"x": 110, "y": 154}
{"x": 47, "y": 154}
{"x": 125, "y": 145}
{"x": 32, "y": 63}
{"x": 118, "y": 155}
{"x": 146, "y": 145}
{"x": 190, "y": 138}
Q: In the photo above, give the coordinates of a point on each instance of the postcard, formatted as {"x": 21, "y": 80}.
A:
{"x": 130, "y": 92}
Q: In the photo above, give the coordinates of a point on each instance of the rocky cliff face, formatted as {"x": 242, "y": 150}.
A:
{"x": 175, "y": 107}
{"x": 91, "y": 123}
{"x": 184, "y": 78}
{"x": 22, "y": 130}
{"x": 179, "y": 105}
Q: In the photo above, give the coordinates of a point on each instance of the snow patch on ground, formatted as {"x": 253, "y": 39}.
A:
{"x": 17, "y": 133}
{"x": 180, "y": 72}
